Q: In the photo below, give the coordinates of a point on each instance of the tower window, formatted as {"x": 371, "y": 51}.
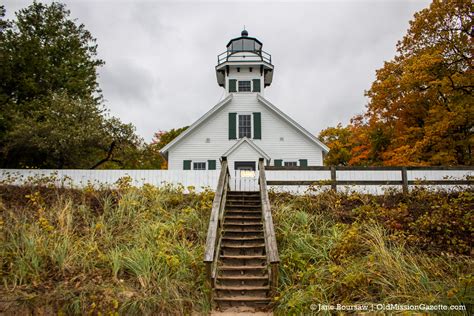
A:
{"x": 245, "y": 126}
{"x": 244, "y": 86}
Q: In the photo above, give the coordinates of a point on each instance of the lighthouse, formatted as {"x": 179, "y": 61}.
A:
{"x": 244, "y": 126}
{"x": 244, "y": 66}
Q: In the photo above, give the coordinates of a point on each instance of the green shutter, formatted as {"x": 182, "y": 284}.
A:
{"x": 257, "y": 125}
{"x": 186, "y": 164}
{"x": 232, "y": 85}
{"x": 211, "y": 165}
{"x": 256, "y": 85}
{"x": 232, "y": 125}
{"x": 278, "y": 162}
{"x": 303, "y": 162}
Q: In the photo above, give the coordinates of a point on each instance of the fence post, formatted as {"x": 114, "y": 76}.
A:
{"x": 404, "y": 180}
{"x": 333, "y": 179}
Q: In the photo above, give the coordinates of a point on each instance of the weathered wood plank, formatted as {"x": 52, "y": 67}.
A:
{"x": 404, "y": 180}
{"x": 270, "y": 239}
{"x": 209, "y": 251}
{"x": 274, "y": 277}
{"x": 333, "y": 179}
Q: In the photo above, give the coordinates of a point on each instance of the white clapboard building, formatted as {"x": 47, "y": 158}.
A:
{"x": 244, "y": 126}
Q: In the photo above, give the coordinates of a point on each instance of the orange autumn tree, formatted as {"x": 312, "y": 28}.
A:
{"x": 163, "y": 138}
{"x": 421, "y": 108}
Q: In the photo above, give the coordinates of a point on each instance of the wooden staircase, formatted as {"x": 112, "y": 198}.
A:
{"x": 242, "y": 273}
{"x": 241, "y": 254}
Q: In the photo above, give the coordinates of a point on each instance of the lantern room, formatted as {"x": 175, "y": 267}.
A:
{"x": 244, "y": 58}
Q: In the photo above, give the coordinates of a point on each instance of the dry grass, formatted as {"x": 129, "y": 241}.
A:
{"x": 139, "y": 250}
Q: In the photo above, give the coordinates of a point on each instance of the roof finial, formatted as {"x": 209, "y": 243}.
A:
{"x": 244, "y": 32}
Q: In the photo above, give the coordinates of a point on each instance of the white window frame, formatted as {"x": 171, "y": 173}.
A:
{"x": 251, "y": 86}
{"x": 205, "y": 165}
{"x": 290, "y": 161}
{"x": 251, "y": 124}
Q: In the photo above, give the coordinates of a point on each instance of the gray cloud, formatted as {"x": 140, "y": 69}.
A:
{"x": 160, "y": 56}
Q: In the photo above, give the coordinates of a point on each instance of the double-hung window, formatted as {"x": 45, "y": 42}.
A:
{"x": 245, "y": 86}
{"x": 199, "y": 166}
{"x": 245, "y": 125}
{"x": 291, "y": 164}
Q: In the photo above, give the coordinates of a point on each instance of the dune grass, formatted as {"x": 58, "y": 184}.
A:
{"x": 130, "y": 251}
{"x": 343, "y": 249}
{"x": 135, "y": 251}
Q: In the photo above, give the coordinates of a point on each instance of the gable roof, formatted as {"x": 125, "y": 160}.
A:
{"x": 196, "y": 124}
{"x": 263, "y": 101}
{"x": 251, "y": 144}
{"x": 293, "y": 123}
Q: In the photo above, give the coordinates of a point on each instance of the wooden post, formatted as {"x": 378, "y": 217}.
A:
{"x": 404, "y": 180}
{"x": 333, "y": 179}
{"x": 274, "y": 277}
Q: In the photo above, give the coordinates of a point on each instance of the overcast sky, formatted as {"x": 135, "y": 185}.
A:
{"x": 160, "y": 56}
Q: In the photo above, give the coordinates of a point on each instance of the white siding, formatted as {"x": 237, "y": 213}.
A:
{"x": 245, "y": 74}
{"x": 243, "y": 153}
{"x": 294, "y": 146}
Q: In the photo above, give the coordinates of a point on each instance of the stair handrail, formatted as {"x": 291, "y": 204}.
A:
{"x": 268, "y": 229}
{"x": 215, "y": 222}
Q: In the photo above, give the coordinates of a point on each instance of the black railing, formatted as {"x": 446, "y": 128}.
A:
{"x": 264, "y": 56}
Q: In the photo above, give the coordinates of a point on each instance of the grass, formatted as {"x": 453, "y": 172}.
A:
{"x": 139, "y": 250}
{"x": 344, "y": 249}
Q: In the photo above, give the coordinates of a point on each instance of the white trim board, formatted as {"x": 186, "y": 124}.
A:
{"x": 251, "y": 144}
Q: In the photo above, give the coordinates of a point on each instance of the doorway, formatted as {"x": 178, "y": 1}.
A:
{"x": 244, "y": 165}
{"x": 245, "y": 178}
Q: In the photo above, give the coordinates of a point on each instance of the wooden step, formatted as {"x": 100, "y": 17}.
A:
{"x": 226, "y": 223}
{"x": 254, "y": 199}
{"x": 231, "y": 230}
{"x": 252, "y": 267}
{"x": 243, "y": 277}
{"x": 245, "y": 213}
{"x": 251, "y": 246}
{"x": 242, "y": 288}
{"x": 248, "y": 213}
{"x": 242, "y": 270}
{"x": 243, "y": 257}
{"x": 243, "y": 218}
{"x": 242, "y": 238}
{"x": 243, "y": 222}
{"x": 243, "y": 299}
{"x": 243, "y": 206}
{"x": 245, "y": 193}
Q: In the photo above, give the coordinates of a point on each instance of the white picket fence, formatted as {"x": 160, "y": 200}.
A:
{"x": 369, "y": 175}
{"x": 244, "y": 180}
{"x": 239, "y": 180}
{"x": 199, "y": 179}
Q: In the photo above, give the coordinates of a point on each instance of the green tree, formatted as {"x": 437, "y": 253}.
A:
{"x": 45, "y": 51}
{"x": 52, "y": 115}
{"x": 61, "y": 132}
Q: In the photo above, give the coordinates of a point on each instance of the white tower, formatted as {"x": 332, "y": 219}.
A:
{"x": 244, "y": 66}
